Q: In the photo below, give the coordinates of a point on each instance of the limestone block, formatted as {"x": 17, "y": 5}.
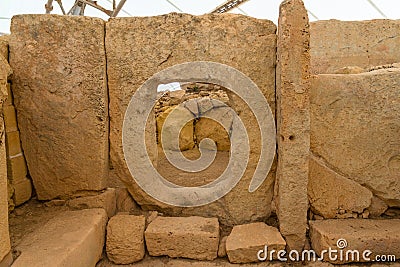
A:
{"x": 293, "y": 120}
{"x": 186, "y": 237}
{"x": 4, "y": 234}
{"x": 16, "y": 168}
{"x": 213, "y": 129}
{"x": 330, "y": 193}
{"x": 355, "y": 128}
{"x": 179, "y": 116}
{"x": 10, "y": 118}
{"x": 125, "y": 239}
{"x": 13, "y": 144}
{"x": 246, "y": 240}
{"x": 336, "y": 44}
{"x": 22, "y": 191}
{"x": 105, "y": 200}
{"x": 74, "y": 238}
{"x": 179, "y": 38}
{"x": 381, "y": 237}
{"x": 60, "y": 94}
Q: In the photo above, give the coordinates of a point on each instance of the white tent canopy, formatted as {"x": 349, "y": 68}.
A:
{"x": 263, "y": 9}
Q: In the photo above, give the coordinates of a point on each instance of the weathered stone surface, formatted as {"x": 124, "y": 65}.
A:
{"x": 22, "y": 191}
{"x": 213, "y": 129}
{"x": 61, "y": 101}
{"x": 293, "y": 120}
{"x": 105, "y": 200}
{"x": 331, "y": 194}
{"x": 75, "y": 238}
{"x": 246, "y": 240}
{"x": 4, "y": 46}
{"x": 129, "y": 66}
{"x": 179, "y": 117}
{"x": 125, "y": 202}
{"x": 377, "y": 207}
{"x": 125, "y": 239}
{"x": 186, "y": 237}
{"x": 13, "y": 144}
{"x": 381, "y": 237}
{"x": 4, "y": 235}
{"x": 10, "y": 118}
{"x": 355, "y": 128}
{"x": 336, "y": 44}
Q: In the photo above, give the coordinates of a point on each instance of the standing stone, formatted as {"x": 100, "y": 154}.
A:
{"x": 245, "y": 241}
{"x": 60, "y": 94}
{"x": 4, "y": 235}
{"x": 293, "y": 121}
{"x": 125, "y": 239}
{"x": 139, "y": 47}
{"x": 187, "y": 237}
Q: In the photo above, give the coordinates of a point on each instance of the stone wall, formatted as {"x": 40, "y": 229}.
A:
{"x": 338, "y": 44}
{"x": 338, "y": 134}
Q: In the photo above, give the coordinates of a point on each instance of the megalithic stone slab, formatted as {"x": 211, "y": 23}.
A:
{"x": 74, "y": 238}
{"x": 293, "y": 121}
{"x": 60, "y": 94}
{"x": 139, "y": 47}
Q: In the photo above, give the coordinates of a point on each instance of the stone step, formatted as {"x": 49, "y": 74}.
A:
{"x": 186, "y": 237}
{"x": 75, "y": 238}
{"x": 246, "y": 241}
{"x": 381, "y": 237}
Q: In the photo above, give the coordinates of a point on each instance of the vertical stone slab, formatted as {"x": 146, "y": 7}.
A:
{"x": 139, "y": 47}
{"x": 5, "y": 247}
{"x": 60, "y": 94}
{"x": 293, "y": 120}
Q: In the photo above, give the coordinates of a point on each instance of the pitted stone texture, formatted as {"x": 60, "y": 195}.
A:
{"x": 4, "y": 46}
{"x": 336, "y": 44}
{"x": 75, "y": 238}
{"x": 181, "y": 118}
{"x": 105, "y": 200}
{"x": 382, "y": 237}
{"x": 60, "y": 94}
{"x": 186, "y": 237}
{"x": 330, "y": 193}
{"x": 179, "y": 38}
{"x": 293, "y": 121}
{"x": 125, "y": 239}
{"x": 355, "y": 128}
{"x": 246, "y": 240}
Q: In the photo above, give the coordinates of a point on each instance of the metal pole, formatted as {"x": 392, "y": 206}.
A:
{"x": 118, "y": 9}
